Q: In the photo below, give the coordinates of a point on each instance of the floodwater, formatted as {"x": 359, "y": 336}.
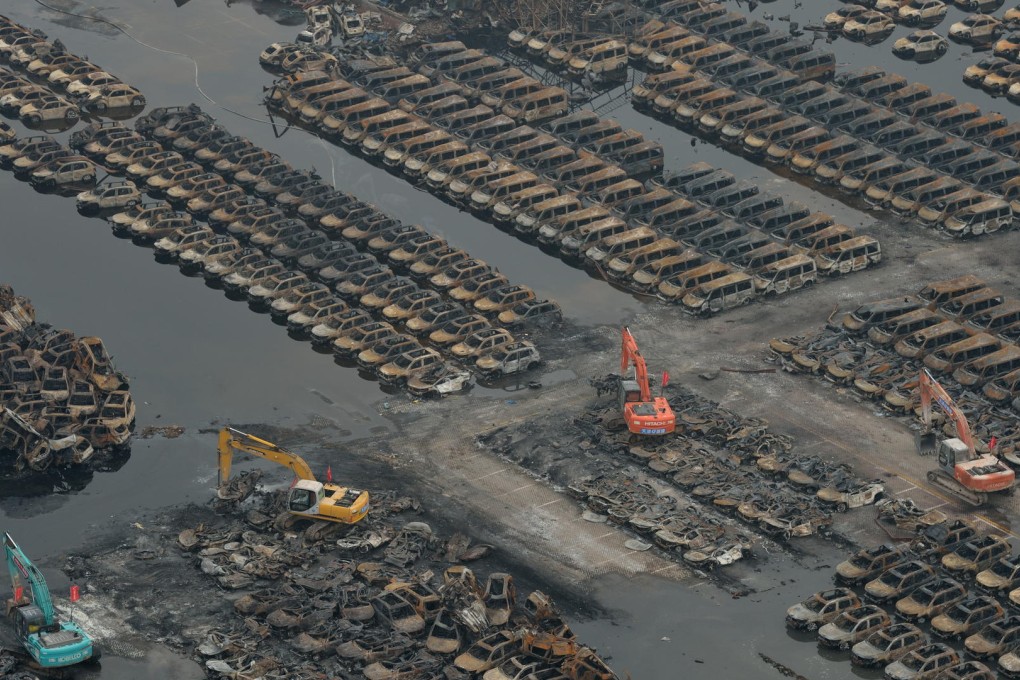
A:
{"x": 199, "y": 360}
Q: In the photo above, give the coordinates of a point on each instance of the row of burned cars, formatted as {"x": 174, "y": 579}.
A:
{"x": 39, "y": 68}
{"x": 960, "y": 329}
{"x": 871, "y": 133}
{"x": 963, "y": 585}
{"x": 331, "y": 267}
{"x": 571, "y": 182}
{"x": 61, "y": 399}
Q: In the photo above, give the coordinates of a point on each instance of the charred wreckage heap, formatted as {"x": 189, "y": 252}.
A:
{"x": 389, "y": 599}
{"x": 61, "y": 397}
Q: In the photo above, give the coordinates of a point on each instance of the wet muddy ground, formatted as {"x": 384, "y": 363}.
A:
{"x": 197, "y": 360}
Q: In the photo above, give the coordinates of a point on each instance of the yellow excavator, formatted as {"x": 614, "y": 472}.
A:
{"x": 308, "y": 499}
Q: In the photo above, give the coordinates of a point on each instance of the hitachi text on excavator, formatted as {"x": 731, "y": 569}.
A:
{"x": 643, "y": 413}
{"x": 962, "y": 471}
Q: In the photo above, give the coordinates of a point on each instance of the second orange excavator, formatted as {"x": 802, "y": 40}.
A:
{"x": 643, "y": 413}
{"x": 961, "y": 470}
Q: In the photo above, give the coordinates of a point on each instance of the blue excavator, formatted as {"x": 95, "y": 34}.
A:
{"x": 51, "y": 643}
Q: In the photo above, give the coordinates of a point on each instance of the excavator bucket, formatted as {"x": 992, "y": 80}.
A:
{"x": 925, "y": 443}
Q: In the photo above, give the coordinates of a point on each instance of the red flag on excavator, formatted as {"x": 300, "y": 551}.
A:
{"x": 329, "y": 473}
{"x": 75, "y": 593}
{"x": 665, "y": 378}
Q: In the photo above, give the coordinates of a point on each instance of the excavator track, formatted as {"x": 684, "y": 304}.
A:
{"x": 943, "y": 481}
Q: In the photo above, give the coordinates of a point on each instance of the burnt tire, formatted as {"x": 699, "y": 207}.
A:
{"x": 99, "y": 107}
{"x": 842, "y": 507}
{"x": 941, "y": 48}
{"x": 138, "y": 101}
{"x": 34, "y": 119}
{"x": 88, "y": 178}
{"x": 72, "y": 114}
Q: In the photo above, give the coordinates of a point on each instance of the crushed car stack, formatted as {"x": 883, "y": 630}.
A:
{"x": 61, "y": 399}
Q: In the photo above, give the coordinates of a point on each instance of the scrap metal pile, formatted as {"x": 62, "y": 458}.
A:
{"x": 716, "y": 460}
{"x": 61, "y": 399}
{"x": 872, "y": 133}
{"x": 960, "y": 585}
{"x": 385, "y": 601}
{"x": 961, "y": 330}
{"x": 46, "y": 68}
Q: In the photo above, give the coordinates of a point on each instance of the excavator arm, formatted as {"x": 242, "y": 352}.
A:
{"x": 234, "y": 440}
{"x": 20, "y": 567}
{"x": 930, "y": 391}
{"x": 632, "y": 355}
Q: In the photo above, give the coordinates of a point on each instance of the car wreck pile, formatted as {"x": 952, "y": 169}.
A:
{"x": 689, "y": 493}
{"x": 571, "y": 183}
{"x": 390, "y": 599}
{"x": 899, "y": 145}
{"x": 295, "y": 247}
{"x": 961, "y": 330}
{"x": 961, "y": 584}
{"x": 60, "y": 397}
{"x": 46, "y": 66}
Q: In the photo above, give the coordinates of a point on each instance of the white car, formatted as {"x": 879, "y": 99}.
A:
{"x": 976, "y": 29}
{"x": 49, "y": 110}
{"x": 352, "y": 25}
{"x": 921, "y": 46}
{"x": 870, "y": 27}
{"x": 847, "y": 499}
{"x": 109, "y": 196}
{"x": 835, "y": 20}
{"x": 315, "y": 37}
{"x": 93, "y": 82}
{"x": 922, "y": 12}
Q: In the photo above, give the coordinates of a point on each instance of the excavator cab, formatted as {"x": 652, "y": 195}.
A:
{"x": 950, "y": 451}
{"x": 305, "y": 497}
{"x": 630, "y": 392}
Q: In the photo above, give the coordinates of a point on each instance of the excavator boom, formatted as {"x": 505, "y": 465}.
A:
{"x": 234, "y": 440}
{"x": 632, "y": 355}
{"x": 20, "y": 567}
{"x": 930, "y": 391}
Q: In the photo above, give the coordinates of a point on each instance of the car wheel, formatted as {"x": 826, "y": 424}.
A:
{"x": 842, "y": 507}
{"x": 132, "y": 203}
{"x": 72, "y": 114}
{"x": 100, "y": 107}
{"x": 88, "y": 178}
{"x": 941, "y": 48}
{"x": 34, "y": 119}
{"x": 138, "y": 101}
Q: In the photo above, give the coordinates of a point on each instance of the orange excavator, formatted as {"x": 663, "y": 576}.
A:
{"x": 643, "y": 413}
{"x": 961, "y": 470}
